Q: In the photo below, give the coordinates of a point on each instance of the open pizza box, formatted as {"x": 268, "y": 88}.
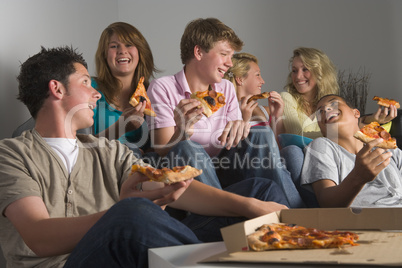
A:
{"x": 379, "y": 229}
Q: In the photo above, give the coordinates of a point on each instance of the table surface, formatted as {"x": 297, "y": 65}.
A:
{"x": 188, "y": 256}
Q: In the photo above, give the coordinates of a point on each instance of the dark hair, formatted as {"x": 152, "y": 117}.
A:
{"x": 348, "y": 103}
{"x": 37, "y": 71}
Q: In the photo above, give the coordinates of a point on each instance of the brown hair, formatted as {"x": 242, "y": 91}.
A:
{"x": 107, "y": 83}
{"x": 205, "y": 33}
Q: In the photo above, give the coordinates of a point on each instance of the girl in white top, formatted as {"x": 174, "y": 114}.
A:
{"x": 245, "y": 74}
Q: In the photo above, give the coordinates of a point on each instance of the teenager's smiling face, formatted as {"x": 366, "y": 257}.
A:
{"x": 80, "y": 98}
{"x": 122, "y": 59}
{"x": 216, "y": 62}
{"x": 332, "y": 112}
{"x": 253, "y": 82}
{"x": 303, "y": 79}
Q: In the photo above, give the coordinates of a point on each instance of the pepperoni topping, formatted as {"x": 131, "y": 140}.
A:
{"x": 221, "y": 99}
{"x": 212, "y": 93}
{"x": 385, "y": 135}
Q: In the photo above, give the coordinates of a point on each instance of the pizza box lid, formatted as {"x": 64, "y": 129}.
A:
{"x": 379, "y": 229}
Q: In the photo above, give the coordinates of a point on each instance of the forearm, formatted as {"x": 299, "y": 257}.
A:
{"x": 57, "y": 236}
{"x": 202, "y": 199}
{"x": 341, "y": 195}
{"x": 161, "y": 142}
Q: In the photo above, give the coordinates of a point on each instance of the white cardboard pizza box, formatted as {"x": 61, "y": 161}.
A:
{"x": 189, "y": 256}
{"x": 379, "y": 230}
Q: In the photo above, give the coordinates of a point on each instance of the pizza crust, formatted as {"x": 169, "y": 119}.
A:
{"x": 149, "y": 112}
{"x": 264, "y": 95}
{"x": 206, "y": 109}
{"x": 166, "y": 175}
{"x": 255, "y": 243}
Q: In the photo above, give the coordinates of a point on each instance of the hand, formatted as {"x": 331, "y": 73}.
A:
{"x": 370, "y": 161}
{"x": 276, "y": 104}
{"x": 133, "y": 117}
{"x": 258, "y": 207}
{"x": 159, "y": 193}
{"x": 186, "y": 114}
{"x": 383, "y": 115}
{"x": 234, "y": 132}
{"x": 247, "y": 108}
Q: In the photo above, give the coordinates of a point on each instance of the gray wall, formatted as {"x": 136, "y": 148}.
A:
{"x": 355, "y": 34}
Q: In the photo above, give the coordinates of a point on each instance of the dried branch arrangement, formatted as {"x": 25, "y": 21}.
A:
{"x": 354, "y": 86}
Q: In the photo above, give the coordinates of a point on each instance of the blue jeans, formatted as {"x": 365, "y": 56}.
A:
{"x": 257, "y": 156}
{"x": 294, "y": 156}
{"x": 122, "y": 237}
{"x": 184, "y": 153}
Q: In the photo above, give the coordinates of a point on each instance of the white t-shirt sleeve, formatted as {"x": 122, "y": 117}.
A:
{"x": 321, "y": 161}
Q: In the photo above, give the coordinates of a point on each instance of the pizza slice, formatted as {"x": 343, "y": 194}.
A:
{"x": 290, "y": 236}
{"x": 210, "y": 100}
{"x": 386, "y": 102}
{"x": 374, "y": 131}
{"x": 139, "y": 95}
{"x": 264, "y": 95}
{"x": 167, "y": 175}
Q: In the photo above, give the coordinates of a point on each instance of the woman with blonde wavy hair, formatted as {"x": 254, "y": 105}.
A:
{"x": 122, "y": 58}
{"x": 312, "y": 76}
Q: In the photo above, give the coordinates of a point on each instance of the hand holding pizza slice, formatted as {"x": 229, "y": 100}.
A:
{"x": 386, "y": 102}
{"x": 374, "y": 131}
{"x": 211, "y": 101}
{"x": 140, "y": 95}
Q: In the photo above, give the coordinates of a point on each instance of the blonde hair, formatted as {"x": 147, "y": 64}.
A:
{"x": 128, "y": 34}
{"x": 322, "y": 69}
{"x": 240, "y": 68}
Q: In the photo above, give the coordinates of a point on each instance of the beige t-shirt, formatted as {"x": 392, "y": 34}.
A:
{"x": 30, "y": 167}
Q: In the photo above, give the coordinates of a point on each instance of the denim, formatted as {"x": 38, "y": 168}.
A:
{"x": 207, "y": 229}
{"x": 294, "y": 156}
{"x": 191, "y": 153}
{"x": 258, "y": 156}
{"x": 186, "y": 153}
{"x": 122, "y": 237}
